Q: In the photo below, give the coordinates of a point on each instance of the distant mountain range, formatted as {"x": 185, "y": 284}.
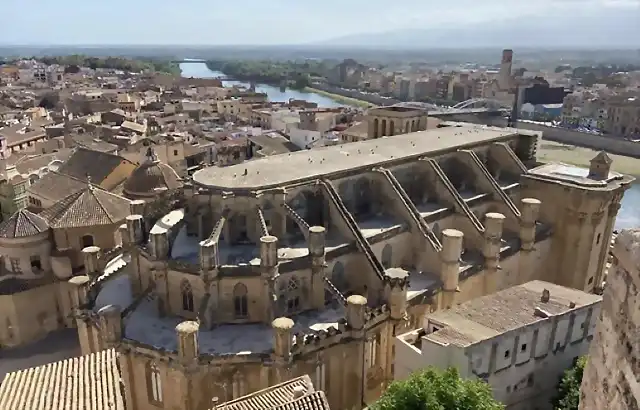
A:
{"x": 605, "y": 28}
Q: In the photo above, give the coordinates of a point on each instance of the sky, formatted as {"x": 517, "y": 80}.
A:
{"x": 250, "y": 22}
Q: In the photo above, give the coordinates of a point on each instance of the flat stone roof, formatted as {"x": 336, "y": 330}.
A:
{"x": 317, "y": 163}
{"x": 573, "y": 174}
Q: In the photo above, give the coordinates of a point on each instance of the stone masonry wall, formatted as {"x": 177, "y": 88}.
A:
{"x": 611, "y": 376}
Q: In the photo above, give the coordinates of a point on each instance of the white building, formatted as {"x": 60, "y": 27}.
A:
{"x": 520, "y": 340}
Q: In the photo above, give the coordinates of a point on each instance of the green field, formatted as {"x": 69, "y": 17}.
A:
{"x": 339, "y": 98}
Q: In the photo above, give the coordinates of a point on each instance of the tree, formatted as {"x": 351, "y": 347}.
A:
{"x": 433, "y": 389}
{"x": 568, "y": 396}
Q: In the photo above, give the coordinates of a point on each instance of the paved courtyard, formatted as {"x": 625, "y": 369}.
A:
{"x": 56, "y": 346}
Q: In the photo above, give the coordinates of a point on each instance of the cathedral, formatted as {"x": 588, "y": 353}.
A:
{"x": 310, "y": 263}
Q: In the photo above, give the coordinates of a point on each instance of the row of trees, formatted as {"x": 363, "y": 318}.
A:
{"x": 136, "y": 64}
{"x": 432, "y": 389}
{"x": 297, "y": 73}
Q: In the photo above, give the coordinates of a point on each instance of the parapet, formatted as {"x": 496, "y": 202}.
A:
{"x": 91, "y": 257}
{"x": 268, "y": 251}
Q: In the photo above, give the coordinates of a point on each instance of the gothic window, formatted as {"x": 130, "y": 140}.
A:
{"x": 407, "y": 128}
{"x": 187, "y": 296}
{"x": 237, "y": 385}
{"x": 290, "y": 295}
{"x": 240, "y": 305}
{"x": 154, "y": 384}
{"x": 386, "y": 256}
{"x": 384, "y": 128}
{"x": 376, "y": 131}
{"x": 36, "y": 264}
{"x": 87, "y": 240}
{"x": 373, "y": 346}
{"x": 15, "y": 266}
{"x": 320, "y": 376}
{"x": 392, "y": 127}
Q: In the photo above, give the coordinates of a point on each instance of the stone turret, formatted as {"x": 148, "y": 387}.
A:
{"x": 600, "y": 166}
{"x": 136, "y": 207}
{"x": 91, "y": 256}
{"x": 529, "y": 210}
{"x": 452, "y": 241}
{"x": 110, "y": 325}
{"x": 135, "y": 229}
{"x": 209, "y": 258}
{"x": 269, "y": 271}
{"x": 493, "y": 225}
{"x": 187, "y": 333}
{"x": 159, "y": 245}
{"x": 79, "y": 288}
{"x": 317, "y": 242}
{"x": 283, "y": 338}
{"x": 396, "y": 284}
{"x": 356, "y": 307}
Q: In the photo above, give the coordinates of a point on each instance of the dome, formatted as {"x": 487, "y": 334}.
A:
{"x": 149, "y": 177}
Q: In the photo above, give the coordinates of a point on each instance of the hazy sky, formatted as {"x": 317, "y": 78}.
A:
{"x": 213, "y": 22}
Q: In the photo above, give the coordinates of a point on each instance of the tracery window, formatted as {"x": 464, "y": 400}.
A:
{"x": 154, "y": 384}
{"x": 320, "y": 376}
{"x": 187, "y": 296}
{"x": 290, "y": 294}
{"x": 237, "y": 385}
{"x": 240, "y": 305}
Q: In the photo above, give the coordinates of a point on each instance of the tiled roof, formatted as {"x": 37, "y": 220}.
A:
{"x": 55, "y": 186}
{"x": 22, "y": 224}
{"x": 95, "y": 164}
{"x": 88, "y": 207}
{"x": 281, "y": 396}
{"x": 86, "y": 382}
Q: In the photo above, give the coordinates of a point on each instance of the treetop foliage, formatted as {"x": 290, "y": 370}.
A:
{"x": 569, "y": 388}
{"x": 433, "y": 389}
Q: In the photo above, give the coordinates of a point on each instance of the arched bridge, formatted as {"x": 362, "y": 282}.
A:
{"x": 481, "y": 103}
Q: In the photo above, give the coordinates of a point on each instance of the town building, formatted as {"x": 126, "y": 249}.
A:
{"x": 312, "y": 262}
{"x": 519, "y": 340}
{"x": 610, "y": 379}
{"x": 623, "y": 116}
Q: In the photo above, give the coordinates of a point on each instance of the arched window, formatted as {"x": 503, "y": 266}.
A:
{"x": 320, "y": 375}
{"x": 376, "y": 131}
{"x": 187, "y": 296}
{"x": 292, "y": 295}
{"x": 87, "y": 240}
{"x": 407, "y": 128}
{"x": 240, "y": 305}
{"x": 387, "y": 253}
{"x": 154, "y": 384}
{"x": 237, "y": 385}
{"x": 384, "y": 128}
{"x": 392, "y": 128}
{"x": 337, "y": 275}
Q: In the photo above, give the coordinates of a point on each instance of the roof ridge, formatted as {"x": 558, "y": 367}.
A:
{"x": 100, "y": 202}
{"x": 106, "y": 153}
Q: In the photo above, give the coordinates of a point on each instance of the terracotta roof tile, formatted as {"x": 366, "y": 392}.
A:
{"x": 22, "y": 224}
{"x": 88, "y": 207}
{"x": 79, "y": 383}
{"x": 96, "y": 164}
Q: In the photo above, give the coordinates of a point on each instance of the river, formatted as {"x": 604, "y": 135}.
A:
{"x": 200, "y": 70}
{"x": 628, "y": 217}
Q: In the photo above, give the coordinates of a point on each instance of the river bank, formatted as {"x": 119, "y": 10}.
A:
{"x": 550, "y": 151}
{"x": 346, "y": 100}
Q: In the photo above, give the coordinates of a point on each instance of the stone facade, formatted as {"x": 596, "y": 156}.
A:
{"x": 312, "y": 262}
{"x": 388, "y": 121}
{"x": 610, "y": 378}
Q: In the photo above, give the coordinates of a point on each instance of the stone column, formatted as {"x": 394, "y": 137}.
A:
{"x": 452, "y": 240}
{"x": 91, "y": 257}
{"x": 493, "y": 226}
{"x": 529, "y": 211}
{"x": 209, "y": 260}
{"x": 269, "y": 272}
{"x": 188, "y": 351}
{"x": 136, "y": 207}
{"x": 79, "y": 288}
{"x": 160, "y": 245}
{"x": 135, "y": 226}
{"x": 282, "y": 343}
{"x": 317, "y": 253}
{"x": 110, "y": 325}
{"x": 353, "y": 360}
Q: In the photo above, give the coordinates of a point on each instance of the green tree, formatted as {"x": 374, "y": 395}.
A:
{"x": 433, "y": 389}
{"x": 568, "y": 396}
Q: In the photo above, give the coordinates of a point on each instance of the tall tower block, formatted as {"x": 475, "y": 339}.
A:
{"x": 504, "y": 78}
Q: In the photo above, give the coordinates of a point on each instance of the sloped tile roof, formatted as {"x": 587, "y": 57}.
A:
{"x": 97, "y": 165}
{"x": 55, "y": 186}
{"x": 88, "y": 207}
{"x": 79, "y": 383}
{"x": 22, "y": 224}
{"x": 151, "y": 175}
{"x": 281, "y": 396}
